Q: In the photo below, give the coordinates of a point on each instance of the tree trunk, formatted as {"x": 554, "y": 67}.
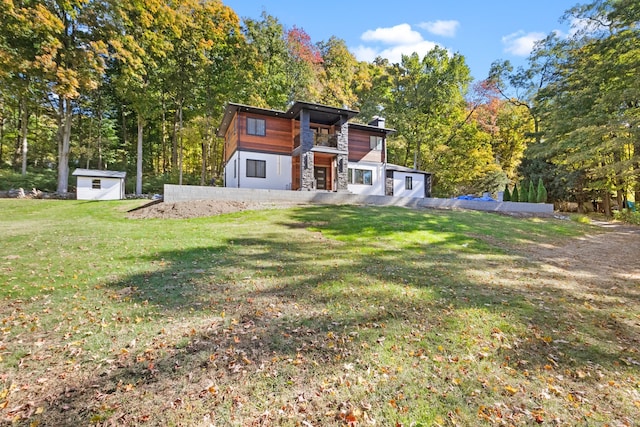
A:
{"x": 2, "y": 120}
{"x": 24, "y": 129}
{"x": 206, "y": 143}
{"x": 180, "y": 137}
{"x": 164, "y": 137}
{"x": 174, "y": 141}
{"x": 64, "y": 143}
{"x": 606, "y": 202}
{"x": 139, "y": 156}
{"x": 99, "y": 140}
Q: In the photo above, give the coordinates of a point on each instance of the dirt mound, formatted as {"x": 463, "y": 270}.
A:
{"x": 196, "y": 208}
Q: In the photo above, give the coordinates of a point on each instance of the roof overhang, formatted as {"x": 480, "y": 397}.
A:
{"x": 370, "y": 128}
{"x": 94, "y": 173}
{"x": 321, "y": 114}
{"x": 232, "y": 108}
{"x": 405, "y": 169}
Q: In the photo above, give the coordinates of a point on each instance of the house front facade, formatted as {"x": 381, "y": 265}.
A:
{"x": 312, "y": 147}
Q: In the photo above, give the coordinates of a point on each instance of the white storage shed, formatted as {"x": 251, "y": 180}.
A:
{"x": 99, "y": 184}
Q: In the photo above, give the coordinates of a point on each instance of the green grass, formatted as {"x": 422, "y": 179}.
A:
{"x": 324, "y": 315}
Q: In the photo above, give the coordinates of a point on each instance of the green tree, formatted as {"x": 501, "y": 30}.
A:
{"x": 266, "y": 62}
{"x": 590, "y": 109}
{"x": 515, "y": 195}
{"x": 542, "y": 192}
{"x": 339, "y": 68}
{"x": 506, "y": 197}
{"x": 532, "y": 194}
{"x": 524, "y": 191}
{"x": 425, "y": 103}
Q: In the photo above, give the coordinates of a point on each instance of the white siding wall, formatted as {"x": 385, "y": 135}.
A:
{"x": 378, "y": 176}
{"x": 278, "y": 171}
{"x": 111, "y": 189}
{"x": 399, "y": 179}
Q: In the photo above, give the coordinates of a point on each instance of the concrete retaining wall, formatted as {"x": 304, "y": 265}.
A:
{"x": 181, "y": 193}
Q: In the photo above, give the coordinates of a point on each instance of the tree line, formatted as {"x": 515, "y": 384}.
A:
{"x": 141, "y": 86}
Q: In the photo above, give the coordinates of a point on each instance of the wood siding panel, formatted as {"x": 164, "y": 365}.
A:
{"x": 359, "y": 150}
{"x": 278, "y": 138}
{"x": 231, "y": 139}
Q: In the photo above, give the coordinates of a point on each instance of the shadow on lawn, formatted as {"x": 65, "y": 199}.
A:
{"x": 267, "y": 303}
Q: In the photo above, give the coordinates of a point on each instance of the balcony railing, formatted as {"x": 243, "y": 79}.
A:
{"x": 320, "y": 140}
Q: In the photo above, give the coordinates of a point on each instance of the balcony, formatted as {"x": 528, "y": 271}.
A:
{"x": 320, "y": 140}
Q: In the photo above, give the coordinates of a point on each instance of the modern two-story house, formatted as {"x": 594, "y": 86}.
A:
{"x": 312, "y": 147}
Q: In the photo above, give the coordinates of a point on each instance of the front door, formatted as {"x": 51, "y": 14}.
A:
{"x": 320, "y": 174}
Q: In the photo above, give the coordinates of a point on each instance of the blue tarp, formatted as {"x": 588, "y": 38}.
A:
{"x": 477, "y": 199}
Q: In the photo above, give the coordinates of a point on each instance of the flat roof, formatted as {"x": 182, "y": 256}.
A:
{"x": 95, "y": 173}
{"x": 398, "y": 168}
{"x": 372, "y": 128}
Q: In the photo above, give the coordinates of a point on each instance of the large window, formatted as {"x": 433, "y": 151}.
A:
{"x": 256, "y": 127}
{"x": 375, "y": 143}
{"x": 256, "y": 168}
{"x": 360, "y": 176}
{"x": 408, "y": 183}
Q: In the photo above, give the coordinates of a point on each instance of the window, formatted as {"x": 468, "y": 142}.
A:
{"x": 96, "y": 184}
{"x": 256, "y": 168}
{"x": 375, "y": 143}
{"x": 256, "y": 127}
{"x": 408, "y": 183}
{"x": 360, "y": 176}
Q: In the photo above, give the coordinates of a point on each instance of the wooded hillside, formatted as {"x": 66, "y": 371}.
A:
{"x": 141, "y": 86}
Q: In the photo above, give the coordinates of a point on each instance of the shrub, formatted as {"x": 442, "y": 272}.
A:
{"x": 542, "y": 192}
{"x": 524, "y": 193}
{"x": 514, "y": 194}
{"x": 533, "y": 194}
{"x": 628, "y": 216}
{"x": 506, "y": 196}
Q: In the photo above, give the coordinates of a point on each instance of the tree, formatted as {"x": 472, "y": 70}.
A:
{"x": 336, "y": 79}
{"x": 75, "y": 66}
{"x": 590, "y": 108}
{"x": 303, "y": 66}
{"x": 515, "y": 196}
{"x": 524, "y": 191}
{"x": 542, "y": 192}
{"x": 532, "y": 194}
{"x": 28, "y": 38}
{"x": 506, "y": 195}
{"x": 267, "y": 62}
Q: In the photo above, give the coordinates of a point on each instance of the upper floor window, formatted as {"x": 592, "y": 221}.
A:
{"x": 256, "y": 126}
{"x": 256, "y": 168}
{"x": 375, "y": 143}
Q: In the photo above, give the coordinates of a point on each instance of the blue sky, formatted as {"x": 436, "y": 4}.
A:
{"x": 482, "y": 31}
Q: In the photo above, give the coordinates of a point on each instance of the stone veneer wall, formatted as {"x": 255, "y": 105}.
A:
{"x": 307, "y": 178}
{"x": 343, "y": 159}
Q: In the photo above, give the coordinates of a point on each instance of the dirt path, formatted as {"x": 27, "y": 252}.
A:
{"x": 603, "y": 258}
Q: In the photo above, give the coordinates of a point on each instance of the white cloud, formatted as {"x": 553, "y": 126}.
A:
{"x": 441, "y": 28}
{"x": 400, "y": 34}
{"x": 521, "y": 43}
{"x": 391, "y": 43}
